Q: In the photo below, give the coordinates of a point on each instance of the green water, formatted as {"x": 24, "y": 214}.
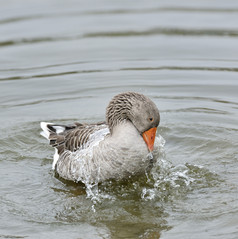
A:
{"x": 62, "y": 61}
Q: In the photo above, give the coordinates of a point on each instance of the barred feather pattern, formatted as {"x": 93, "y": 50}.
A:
{"x": 74, "y": 137}
{"x": 106, "y": 160}
{"x": 113, "y": 149}
{"x": 119, "y": 108}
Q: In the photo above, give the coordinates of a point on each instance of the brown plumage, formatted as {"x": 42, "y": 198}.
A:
{"x": 116, "y": 148}
{"x": 73, "y": 137}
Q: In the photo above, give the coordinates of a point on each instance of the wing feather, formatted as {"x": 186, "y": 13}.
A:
{"x": 73, "y": 137}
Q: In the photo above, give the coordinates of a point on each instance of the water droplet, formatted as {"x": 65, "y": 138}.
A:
{"x": 150, "y": 156}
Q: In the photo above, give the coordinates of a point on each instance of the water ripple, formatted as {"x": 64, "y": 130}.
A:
{"x": 50, "y": 75}
{"x": 129, "y": 33}
{"x": 167, "y": 31}
{"x": 118, "y": 11}
{"x": 187, "y": 68}
{"x": 160, "y": 68}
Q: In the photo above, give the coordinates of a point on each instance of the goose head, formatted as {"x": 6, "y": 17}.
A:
{"x": 139, "y": 110}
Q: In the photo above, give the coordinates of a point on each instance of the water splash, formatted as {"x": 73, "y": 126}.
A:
{"x": 150, "y": 156}
{"x": 163, "y": 182}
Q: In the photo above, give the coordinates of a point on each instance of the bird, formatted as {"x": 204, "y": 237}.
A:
{"x": 116, "y": 149}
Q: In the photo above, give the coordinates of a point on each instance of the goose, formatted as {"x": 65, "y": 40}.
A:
{"x": 119, "y": 148}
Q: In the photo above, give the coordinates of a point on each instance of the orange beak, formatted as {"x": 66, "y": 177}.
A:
{"x": 149, "y": 138}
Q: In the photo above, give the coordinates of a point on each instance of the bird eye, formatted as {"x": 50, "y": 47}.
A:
{"x": 151, "y": 119}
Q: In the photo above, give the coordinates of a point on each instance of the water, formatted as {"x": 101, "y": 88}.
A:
{"x": 62, "y": 61}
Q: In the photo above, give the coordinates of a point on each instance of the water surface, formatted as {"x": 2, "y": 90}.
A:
{"x": 63, "y": 61}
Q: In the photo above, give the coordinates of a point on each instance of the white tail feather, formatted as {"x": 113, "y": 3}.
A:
{"x": 45, "y": 133}
{"x": 59, "y": 129}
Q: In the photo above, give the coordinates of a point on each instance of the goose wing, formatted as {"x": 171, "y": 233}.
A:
{"x": 69, "y": 137}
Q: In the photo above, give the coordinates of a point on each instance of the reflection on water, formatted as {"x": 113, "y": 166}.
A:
{"x": 64, "y": 62}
